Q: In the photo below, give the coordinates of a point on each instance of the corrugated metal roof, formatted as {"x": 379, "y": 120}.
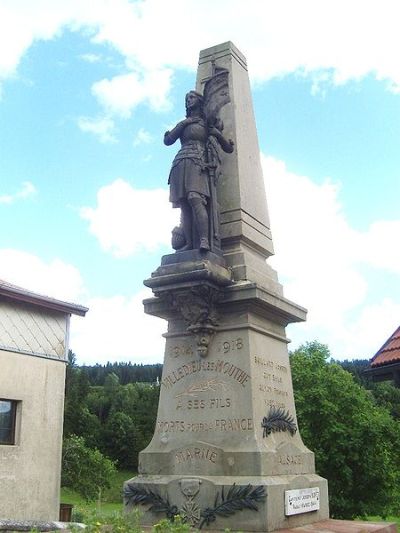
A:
{"x": 390, "y": 352}
{"x": 18, "y": 293}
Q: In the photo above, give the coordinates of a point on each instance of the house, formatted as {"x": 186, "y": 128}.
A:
{"x": 385, "y": 365}
{"x": 34, "y": 332}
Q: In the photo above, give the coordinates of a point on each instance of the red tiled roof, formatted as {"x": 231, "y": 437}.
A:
{"x": 390, "y": 351}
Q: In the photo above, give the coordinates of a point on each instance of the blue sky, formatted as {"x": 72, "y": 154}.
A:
{"x": 87, "y": 89}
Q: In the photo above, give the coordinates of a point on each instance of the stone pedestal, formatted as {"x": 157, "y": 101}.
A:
{"x": 227, "y": 452}
{"x": 226, "y": 417}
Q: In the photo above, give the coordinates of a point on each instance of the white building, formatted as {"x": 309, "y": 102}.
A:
{"x": 34, "y": 334}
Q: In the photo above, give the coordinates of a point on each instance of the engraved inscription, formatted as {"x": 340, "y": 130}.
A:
{"x": 270, "y": 389}
{"x": 181, "y": 349}
{"x": 290, "y": 460}
{"x": 230, "y": 346}
{"x": 273, "y": 403}
{"x": 280, "y": 392}
{"x": 190, "y": 454}
{"x": 220, "y": 424}
{"x": 272, "y": 381}
{"x": 263, "y": 362}
{"x": 271, "y": 377}
{"x": 223, "y": 367}
{"x": 211, "y": 403}
{"x": 270, "y": 365}
{"x": 235, "y": 424}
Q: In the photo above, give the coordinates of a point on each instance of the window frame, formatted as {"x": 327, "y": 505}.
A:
{"x": 13, "y": 425}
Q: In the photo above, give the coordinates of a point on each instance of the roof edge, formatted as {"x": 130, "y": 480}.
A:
{"x": 23, "y": 295}
{"x": 382, "y": 348}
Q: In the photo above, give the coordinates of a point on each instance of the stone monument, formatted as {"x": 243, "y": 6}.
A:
{"x": 226, "y": 452}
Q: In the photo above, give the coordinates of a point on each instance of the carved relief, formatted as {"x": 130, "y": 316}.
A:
{"x": 236, "y": 498}
{"x": 203, "y": 386}
{"x": 278, "y": 420}
{"x": 190, "y": 511}
{"x": 198, "y": 307}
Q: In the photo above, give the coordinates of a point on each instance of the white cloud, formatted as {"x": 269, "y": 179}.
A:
{"x": 332, "y": 42}
{"x": 320, "y": 259}
{"x": 142, "y": 137}
{"x": 102, "y": 127}
{"x": 127, "y": 220}
{"x": 27, "y": 190}
{"x": 379, "y": 245}
{"x": 124, "y": 92}
{"x": 91, "y": 58}
{"x": 55, "y": 278}
{"x": 313, "y": 243}
{"x": 126, "y": 332}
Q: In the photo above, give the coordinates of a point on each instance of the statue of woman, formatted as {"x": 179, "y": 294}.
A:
{"x": 189, "y": 178}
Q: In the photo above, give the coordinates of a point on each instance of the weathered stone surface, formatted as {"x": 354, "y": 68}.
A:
{"x": 210, "y": 419}
{"x": 226, "y": 445}
{"x": 245, "y": 227}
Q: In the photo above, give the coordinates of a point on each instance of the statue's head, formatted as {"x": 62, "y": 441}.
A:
{"x": 193, "y": 100}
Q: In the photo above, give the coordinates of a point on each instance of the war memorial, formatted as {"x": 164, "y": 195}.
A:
{"x": 226, "y": 452}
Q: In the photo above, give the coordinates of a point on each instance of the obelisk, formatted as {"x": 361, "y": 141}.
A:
{"x": 227, "y": 452}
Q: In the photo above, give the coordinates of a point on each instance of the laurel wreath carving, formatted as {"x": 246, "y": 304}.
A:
{"x": 236, "y": 499}
{"x": 137, "y": 494}
{"x": 203, "y": 386}
{"x": 278, "y": 420}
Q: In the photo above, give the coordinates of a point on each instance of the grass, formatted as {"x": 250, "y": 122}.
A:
{"x": 111, "y": 500}
{"x": 395, "y": 519}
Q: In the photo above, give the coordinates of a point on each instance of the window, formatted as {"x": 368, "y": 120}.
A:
{"x": 8, "y": 410}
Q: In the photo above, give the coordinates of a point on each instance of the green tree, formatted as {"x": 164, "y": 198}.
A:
{"x": 355, "y": 441}
{"x": 387, "y": 395}
{"x": 119, "y": 437}
{"x": 78, "y": 420}
{"x": 85, "y": 470}
{"x": 356, "y": 367}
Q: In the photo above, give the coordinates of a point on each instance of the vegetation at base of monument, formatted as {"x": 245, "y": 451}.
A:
{"x": 84, "y": 469}
{"x": 120, "y": 522}
{"x": 352, "y": 433}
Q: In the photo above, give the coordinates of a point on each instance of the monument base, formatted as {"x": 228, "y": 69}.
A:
{"x": 239, "y": 503}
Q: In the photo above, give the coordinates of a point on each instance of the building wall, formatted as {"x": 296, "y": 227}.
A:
{"x": 30, "y": 470}
{"x": 28, "y": 328}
